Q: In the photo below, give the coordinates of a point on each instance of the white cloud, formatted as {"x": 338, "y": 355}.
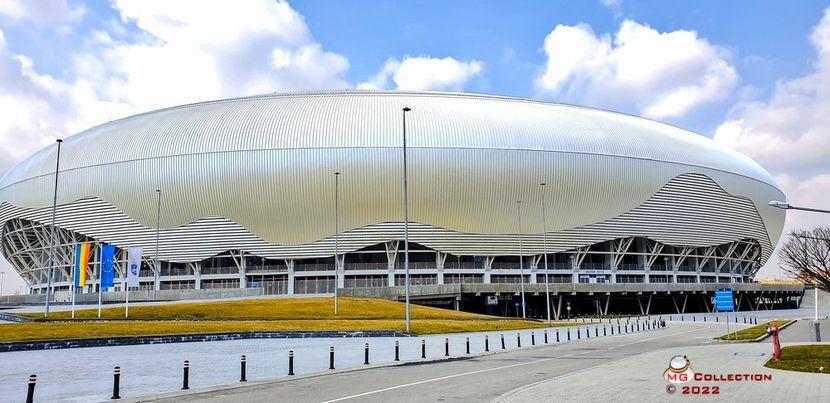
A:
{"x": 790, "y": 135}
{"x": 424, "y": 73}
{"x": 186, "y": 51}
{"x": 662, "y": 74}
{"x": 43, "y": 13}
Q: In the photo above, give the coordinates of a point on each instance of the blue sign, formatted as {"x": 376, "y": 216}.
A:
{"x": 724, "y": 300}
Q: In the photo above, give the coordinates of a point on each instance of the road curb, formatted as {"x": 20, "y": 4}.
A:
{"x": 757, "y": 339}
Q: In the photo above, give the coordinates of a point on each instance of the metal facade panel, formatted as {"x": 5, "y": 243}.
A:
{"x": 256, "y": 174}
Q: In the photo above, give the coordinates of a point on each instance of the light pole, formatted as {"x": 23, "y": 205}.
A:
{"x": 52, "y": 234}
{"x": 545, "y": 251}
{"x": 787, "y": 206}
{"x": 158, "y": 230}
{"x": 2, "y": 274}
{"x": 521, "y": 262}
{"x": 406, "y": 226}
{"x": 336, "y": 235}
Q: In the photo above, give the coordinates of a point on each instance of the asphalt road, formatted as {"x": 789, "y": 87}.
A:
{"x": 481, "y": 378}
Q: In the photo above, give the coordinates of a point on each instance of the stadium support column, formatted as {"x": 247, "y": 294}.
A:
{"x": 243, "y": 283}
{"x": 574, "y": 269}
{"x": 391, "y": 259}
{"x": 289, "y": 263}
{"x": 440, "y": 258}
{"x": 534, "y": 267}
{"x": 671, "y": 263}
{"x": 488, "y": 267}
{"x": 642, "y": 260}
{"x": 197, "y": 275}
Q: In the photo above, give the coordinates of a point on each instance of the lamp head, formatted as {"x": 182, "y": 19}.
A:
{"x": 779, "y": 204}
{"x": 406, "y": 109}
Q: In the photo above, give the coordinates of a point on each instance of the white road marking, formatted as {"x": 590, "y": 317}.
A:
{"x": 406, "y": 385}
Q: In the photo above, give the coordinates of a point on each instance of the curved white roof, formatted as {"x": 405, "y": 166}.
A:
{"x": 363, "y": 119}
{"x": 265, "y": 165}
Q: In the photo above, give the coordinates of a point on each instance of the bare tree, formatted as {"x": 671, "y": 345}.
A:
{"x": 806, "y": 256}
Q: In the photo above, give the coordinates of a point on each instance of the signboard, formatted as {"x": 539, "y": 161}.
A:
{"x": 492, "y": 300}
{"x": 724, "y": 300}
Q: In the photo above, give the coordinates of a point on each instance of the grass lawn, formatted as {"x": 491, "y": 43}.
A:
{"x": 753, "y": 332}
{"x": 269, "y": 314}
{"x": 271, "y": 309}
{"x": 807, "y": 358}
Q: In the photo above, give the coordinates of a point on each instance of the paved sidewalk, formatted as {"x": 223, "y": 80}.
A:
{"x": 639, "y": 379}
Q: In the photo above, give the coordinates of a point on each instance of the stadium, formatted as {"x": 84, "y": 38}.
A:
{"x": 262, "y": 192}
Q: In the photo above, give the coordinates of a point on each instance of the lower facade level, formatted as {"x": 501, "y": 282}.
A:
{"x": 621, "y": 260}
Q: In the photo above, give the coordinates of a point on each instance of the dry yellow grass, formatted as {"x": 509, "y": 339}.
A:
{"x": 272, "y": 308}
{"x": 81, "y": 330}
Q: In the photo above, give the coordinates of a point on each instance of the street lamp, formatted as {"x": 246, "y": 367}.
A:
{"x": 787, "y": 206}
{"x": 406, "y": 225}
{"x": 158, "y": 230}
{"x": 545, "y": 252}
{"x": 52, "y": 234}
{"x": 521, "y": 262}
{"x": 336, "y": 235}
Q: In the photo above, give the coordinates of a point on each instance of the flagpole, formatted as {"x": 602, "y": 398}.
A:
{"x": 100, "y": 281}
{"x": 73, "y": 283}
{"x": 127, "y": 285}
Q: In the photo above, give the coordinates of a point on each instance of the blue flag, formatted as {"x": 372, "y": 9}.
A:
{"x": 107, "y": 270}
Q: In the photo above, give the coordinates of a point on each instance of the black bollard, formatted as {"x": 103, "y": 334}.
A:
{"x": 605, "y": 331}
{"x": 532, "y": 339}
{"x": 546, "y": 336}
{"x": 578, "y": 333}
{"x": 744, "y": 319}
{"x": 366, "y": 354}
{"x": 519, "y": 339}
{"x": 186, "y": 375}
{"x": 736, "y": 319}
{"x": 638, "y": 326}
{"x": 290, "y": 362}
{"x": 694, "y": 318}
{"x": 596, "y": 332}
{"x": 397, "y": 350}
{"x": 331, "y": 357}
{"x": 486, "y": 343}
{"x": 612, "y": 330}
{"x": 756, "y": 321}
{"x": 682, "y": 318}
{"x": 446, "y": 347}
{"x": 423, "y": 349}
{"x": 569, "y": 334}
{"x": 116, "y": 383}
{"x": 704, "y": 318}
{"x": 618, "y": 328}
{"x": 243, "y": 362}
{"x": 502, "y": 341}
{"x": 30, "y": 394}
{"x": 587, "y": 333}
{"x": 468, "y": 344}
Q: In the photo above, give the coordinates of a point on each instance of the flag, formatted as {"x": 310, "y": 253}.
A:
{"x": 81, "y": 262}
{"x": 134, "y": 267}
{"x": 107, "y": 270}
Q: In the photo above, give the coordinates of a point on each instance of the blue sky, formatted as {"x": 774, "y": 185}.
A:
{"x": 755, "y": 76}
